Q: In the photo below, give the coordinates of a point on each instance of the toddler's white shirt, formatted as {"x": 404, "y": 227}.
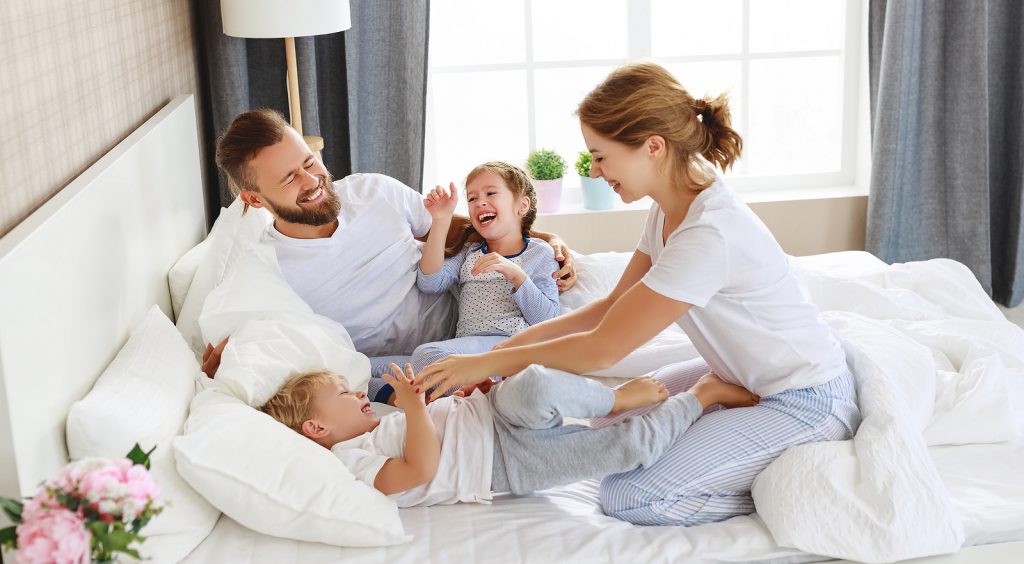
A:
{"x": 466, "y": 429}
{"x": 751, "y": 319}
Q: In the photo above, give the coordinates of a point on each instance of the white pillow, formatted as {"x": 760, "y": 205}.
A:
{"x": 179, "y": 278}
{"x": 596, "y": 276}
{"x": 274, "y": 481}
{"x": 143, "y": 396}
{"x": 232, "y": 234}
{"x": 274, "y": 334}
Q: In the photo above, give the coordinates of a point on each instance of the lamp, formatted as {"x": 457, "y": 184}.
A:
{"x": 288, "y": 19}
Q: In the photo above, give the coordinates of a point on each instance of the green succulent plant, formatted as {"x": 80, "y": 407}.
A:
{"x": 544, "y": 164}
{"x": 583, "y": 163}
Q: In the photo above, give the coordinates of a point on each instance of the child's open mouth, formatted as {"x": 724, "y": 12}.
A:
{"x": 486, "y": 218}
{"x": 367, "y": 409}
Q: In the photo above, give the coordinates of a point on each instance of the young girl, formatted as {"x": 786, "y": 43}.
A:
{"x": 504, "y": 276}
{"x": 708, "y": 264}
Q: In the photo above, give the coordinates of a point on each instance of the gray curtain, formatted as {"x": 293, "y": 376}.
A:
{"x": 362, "y": 90}
{"x": 947, "y": 100}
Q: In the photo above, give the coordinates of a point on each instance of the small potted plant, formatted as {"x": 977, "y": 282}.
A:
{"x": 597, "y": 194}
{"x": 547, "y": 168}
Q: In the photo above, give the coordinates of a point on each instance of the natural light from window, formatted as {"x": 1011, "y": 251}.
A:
{"x": 506, "y": 76}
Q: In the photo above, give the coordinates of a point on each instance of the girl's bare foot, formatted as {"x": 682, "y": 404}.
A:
{"x": 638, "y": 392}
{"x": 711, "y": 389}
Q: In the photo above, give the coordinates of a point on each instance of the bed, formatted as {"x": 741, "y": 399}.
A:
{"x": 84, "y": 269}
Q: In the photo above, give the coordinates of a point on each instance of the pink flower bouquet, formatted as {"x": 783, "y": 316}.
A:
{"x": 93, "y": 509}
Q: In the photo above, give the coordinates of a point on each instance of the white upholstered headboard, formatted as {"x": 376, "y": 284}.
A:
{"x": 79, "y": 273}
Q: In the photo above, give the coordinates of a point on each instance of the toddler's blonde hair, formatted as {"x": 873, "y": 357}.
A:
{"x": 293, "y": 403}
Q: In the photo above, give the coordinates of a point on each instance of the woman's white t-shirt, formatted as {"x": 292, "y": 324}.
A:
{"x": 751, "y": 319}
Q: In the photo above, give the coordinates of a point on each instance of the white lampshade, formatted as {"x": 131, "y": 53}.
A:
{"x": 284, "y": 18}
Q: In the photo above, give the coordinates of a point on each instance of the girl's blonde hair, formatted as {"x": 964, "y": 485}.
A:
{"x": 521, "y": 185}
{"x": 640, "y": 100}
{"x": 293, "y": 403}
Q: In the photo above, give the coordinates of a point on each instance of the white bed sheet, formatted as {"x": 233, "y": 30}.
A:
{"x": 566, "y": 525}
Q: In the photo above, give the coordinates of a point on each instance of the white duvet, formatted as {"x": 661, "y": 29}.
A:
{"x": 936, "y": 363}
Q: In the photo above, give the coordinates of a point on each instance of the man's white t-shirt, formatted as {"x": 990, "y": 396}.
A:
{"x": 751, "y": 320}
{"x": 364, "y": 275}
{"x": 466, "y": 429}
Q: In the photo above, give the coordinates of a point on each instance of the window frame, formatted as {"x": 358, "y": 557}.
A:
{"x": 639, "y": 29}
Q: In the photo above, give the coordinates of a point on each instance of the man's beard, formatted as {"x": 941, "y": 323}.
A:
{"x": 324, "y": 212}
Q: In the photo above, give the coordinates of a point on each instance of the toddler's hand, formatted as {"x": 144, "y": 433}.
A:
{"x": 407, "y": 394}
{"x": 493, "y": 262}
{"x": 440, "y": 202}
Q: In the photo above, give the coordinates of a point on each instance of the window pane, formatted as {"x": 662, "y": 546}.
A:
{"x": 795, "y": 116}
{"x": 579, "y": 30}
{"x": 688, "y": 27}
{"x": 477, "y": 117}
{"x": 796, "y": 25}
{"x": 712, "y": 79}
{"x": 558, "y": 93}
{"x": 460, "y": 34}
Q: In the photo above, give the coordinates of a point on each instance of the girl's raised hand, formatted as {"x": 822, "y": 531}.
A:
{"x": 440, "y": 202}
{"x": 493, "y": 262}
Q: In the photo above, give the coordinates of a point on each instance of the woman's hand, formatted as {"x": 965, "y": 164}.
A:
{"x": 440, "y": 202}
{"x": 456, "y": 371}
{"x": 493, "y": 262}
{"x": 407, "y": 393}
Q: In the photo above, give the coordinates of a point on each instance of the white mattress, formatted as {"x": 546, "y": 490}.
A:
{"x": 567, "y": 525}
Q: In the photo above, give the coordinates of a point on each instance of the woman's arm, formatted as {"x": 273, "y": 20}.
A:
{"x": 636, "y": 317}
{"x": 586, "y": 317}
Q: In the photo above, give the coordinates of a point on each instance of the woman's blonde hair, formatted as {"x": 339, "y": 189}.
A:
{"x": 640, "y": 100}
{"x": 521, "y": 185}
{"x": 293, "y": 403}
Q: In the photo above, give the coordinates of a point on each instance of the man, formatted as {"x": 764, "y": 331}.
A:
{"x": 348, "y": 247}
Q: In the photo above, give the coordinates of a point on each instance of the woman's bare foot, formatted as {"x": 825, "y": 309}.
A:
{"x": 638, "y": 392}
{"x": 711, "y": 389}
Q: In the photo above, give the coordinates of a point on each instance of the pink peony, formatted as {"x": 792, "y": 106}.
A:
{"x": 118, "y": 489}
{"x": 57, "y": 535}
{"x": 40, "y": 503}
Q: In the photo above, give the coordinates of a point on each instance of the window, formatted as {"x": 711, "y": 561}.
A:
{"x": 505, "y": 77}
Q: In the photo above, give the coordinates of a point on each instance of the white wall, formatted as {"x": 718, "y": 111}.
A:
{"x": 802, "y": 226}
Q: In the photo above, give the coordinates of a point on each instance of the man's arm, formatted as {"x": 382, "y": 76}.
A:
{"x": 566, "y": 274}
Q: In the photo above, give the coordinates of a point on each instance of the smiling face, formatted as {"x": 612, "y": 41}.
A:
{"x": 631, "y": 172}
{"x": 339, "y": 414}
{"x": 494, "y": 209}
{"x": 294, "y": 185}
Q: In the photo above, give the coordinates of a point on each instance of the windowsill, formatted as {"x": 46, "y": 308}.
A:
{"x": 572, "y": 198}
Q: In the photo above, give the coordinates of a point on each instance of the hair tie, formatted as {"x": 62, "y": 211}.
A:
{"x": 703, "y": 110}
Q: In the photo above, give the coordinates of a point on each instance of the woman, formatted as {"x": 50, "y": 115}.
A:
{"x": 707, "y": 263}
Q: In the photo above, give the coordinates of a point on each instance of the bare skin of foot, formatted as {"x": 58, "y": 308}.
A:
{"x": 711, "y": 389}
{"x": 638, "y": 392}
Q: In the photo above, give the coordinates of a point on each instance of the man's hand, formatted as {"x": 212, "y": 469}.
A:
{"x": 566, "y": 275}
{"x": 211, "y": 357}
{"x": 440, "y": 202}
{"x": 493, "y": 262}
{"x": 407, "y": 395}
